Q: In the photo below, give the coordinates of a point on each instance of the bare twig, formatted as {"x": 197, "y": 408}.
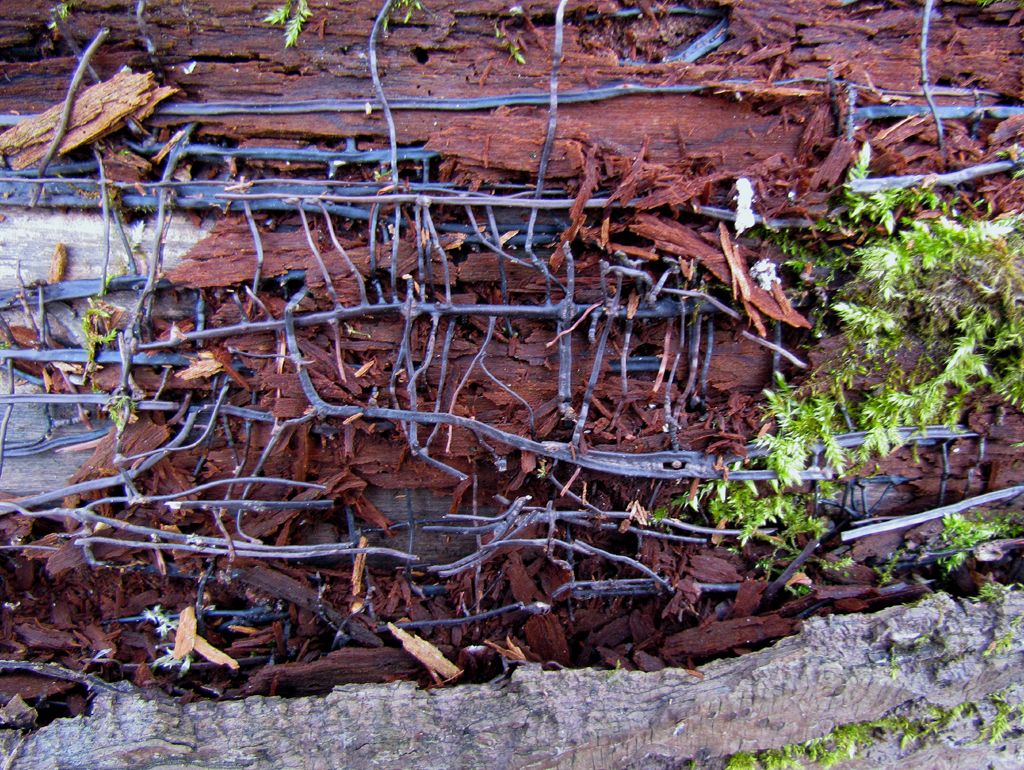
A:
{"x": 69, "y": 100}
{"x": 936, "y": 513}
{"x": 951, "y": 179}
{"x": 925, "y": 80}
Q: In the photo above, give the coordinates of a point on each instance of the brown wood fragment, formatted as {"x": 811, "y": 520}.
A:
{"x": 748, "y": 597}
{"x": 834, "y": 166}
{"x": 719, "y": 637}
{"x": 98, "y": 111}
{"x": 143, "y": 435}
{"x": 741, "y": 286}
{"x": 440, "y": 668}
{"x": 345, "y": 666}
{"x": 282, "y": 586}
{"x": 212, "y": 654}
{"x": 680, "y": 240}
{"x": 546, "y": 638}
{"x": 707, "y": 568}
{"x": 45, "y": 637}
{"x": 58, "y": 264}
{"x": 185, "y": 634}
{"x": 524, "y": 589}
{"x": 30, "y": 686}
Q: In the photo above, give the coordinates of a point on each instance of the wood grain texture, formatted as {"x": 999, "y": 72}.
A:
{"x": 28, "y": 238}
{"x": 838, "y": 670}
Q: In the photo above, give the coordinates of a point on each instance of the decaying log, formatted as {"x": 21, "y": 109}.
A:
{"x": 839, "y": 670}
{"x": 776, "y": 54}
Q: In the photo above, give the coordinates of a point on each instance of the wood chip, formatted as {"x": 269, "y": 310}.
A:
{"x": 185, "y": 636}
{"x": 58, "y": 264}
{"x": 214, "y": 655}
{"x": 202, "y": 368}
{"x": 632, "y": 305}
{"x": 97, "y": 111}
{"x": 682, "y": 241}
{"x": 740, "y": 280}
{"x": 718, "y": 637}
{"x": 511, "y": 650}
{"x": 440, "y": 668}
{"x": 186, "y": 641}
{"x": 546, "y": 638}
{"x": 357, "y": 577}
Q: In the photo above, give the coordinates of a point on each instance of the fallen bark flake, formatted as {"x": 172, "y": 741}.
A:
{"x": 442, "y": 669}
{"x": 738, "y": 271}
{"x": 185, "y": 635}
{"x": 98, "y": 111}
{"x": 357, "y": 577}
{"x": 511, "y": 650}
{"x": 212, "y": 654}
{"x": 58, "y": 264}
{"x": 721, "y": 636}
{"x": 202, "y": 368}
{"x": 681, "y": 241}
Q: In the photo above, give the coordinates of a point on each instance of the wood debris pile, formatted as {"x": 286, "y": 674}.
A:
{"x": 403, "y": 394}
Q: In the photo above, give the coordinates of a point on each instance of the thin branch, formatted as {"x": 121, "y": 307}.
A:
{"x": 936, "y": 513}
{"x": 925, "y": 80}
{"x": 69, "y": 100}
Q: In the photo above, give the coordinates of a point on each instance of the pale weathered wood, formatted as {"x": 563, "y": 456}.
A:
{"x": 839, "y": 670}
{"x": 28, "y": 238}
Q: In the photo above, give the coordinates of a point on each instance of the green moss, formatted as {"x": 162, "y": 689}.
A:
{"x": 121, "y": 408}
{"x": 963, "y": 533}
{"x": 1000, "y": 725}
{"x": 96, "y": 329}
{"x": 848, "y": 741}
{"x": 742, "y": 761}
{"x": 995, "y": 592}
{"x": 1004, "y": 642}
{"x": 291, "y": 16}
{"x": 515, "y": 50}
{"x": 59, "y": 13}
{"x": 930, "y": 314}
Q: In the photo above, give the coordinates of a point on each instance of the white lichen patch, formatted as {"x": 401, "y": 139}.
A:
{"x": 744, "y": 202}
{"x": 764, "y": 274}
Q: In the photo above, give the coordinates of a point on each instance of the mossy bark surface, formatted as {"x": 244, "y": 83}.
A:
{"x": 857, "y": 668}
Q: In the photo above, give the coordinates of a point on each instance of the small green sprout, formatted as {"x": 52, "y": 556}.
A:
{"x": 292, "y": 16}
{"x": 121, "y": 408}
{"x": 515, "y": 50}
{"x": 542, "y": 470}
{"x": 97, "y": 330}
{"x": 169, "y": 662}
{"x": 158, "y": 617}
{"x": 398, "y": 7}
{"x": 164, "y": 624}
{"x": 59, "y": 13}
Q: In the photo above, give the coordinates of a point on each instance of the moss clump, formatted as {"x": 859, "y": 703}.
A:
{"x": 927, "y": 318}
{"x": 847, "y": 741}
{"x": 932, "y": 315}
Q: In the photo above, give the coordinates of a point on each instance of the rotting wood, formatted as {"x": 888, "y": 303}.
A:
{"x": 427, "y": 59}
{"x": 838, "y": 670}
{"x": 379, "y": 445}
